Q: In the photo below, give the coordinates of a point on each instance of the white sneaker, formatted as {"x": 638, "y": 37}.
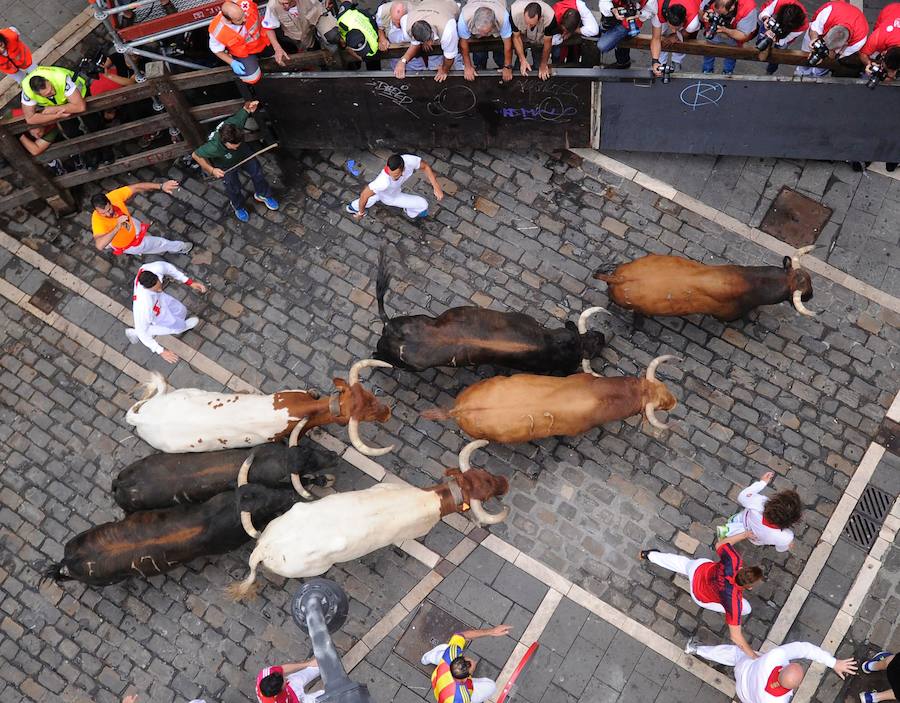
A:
{"x": 186, "y": 247}
{"x": 132, "y": 335}
{"x": 690, "y": 647}
{"x": 191, "y": 323}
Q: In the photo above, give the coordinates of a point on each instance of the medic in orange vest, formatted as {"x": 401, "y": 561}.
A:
{"x": 236, "y": 36}
{"x": 15, "y": 57}
{"x": 883, "y": 45}
{"x": 451, "y": 681}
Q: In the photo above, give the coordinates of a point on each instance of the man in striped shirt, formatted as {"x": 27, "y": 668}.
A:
{"x": 452, "y": 680}
{"x": 717, "y": 586}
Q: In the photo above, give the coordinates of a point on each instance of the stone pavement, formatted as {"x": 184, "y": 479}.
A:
{"x": 38, "y": 20}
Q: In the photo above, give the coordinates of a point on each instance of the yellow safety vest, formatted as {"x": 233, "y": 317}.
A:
{"x": 56, "y": 76}
{"x": 354, "y": 19}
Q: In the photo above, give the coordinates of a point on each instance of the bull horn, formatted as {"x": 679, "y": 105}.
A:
{"x": 801, "y": 308}
{"x": 651, "y": 368}
{"x": 478, "y": 512}
{"x": 362, "y": 447}
{"x": 582, "y": 329}
{"x": 795, "y": 259}
{"x": 650, "y": 412}
{"x": 292, "y": 442}
{"x": 243, "y": 474}
{"x": 353, "y": 376}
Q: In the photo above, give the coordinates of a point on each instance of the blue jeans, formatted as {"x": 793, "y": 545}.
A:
{"x": 709, "y": 62}
{"x": 610, "y": 38}
{"x": 233, "y": 183}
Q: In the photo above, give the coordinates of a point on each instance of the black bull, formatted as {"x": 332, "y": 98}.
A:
{"x": 165, "y": 480}
{"x": 156, "y": 541}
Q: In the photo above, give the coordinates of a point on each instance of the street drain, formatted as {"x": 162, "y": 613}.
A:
{"x": 795, "y": 219}
{"x": 47, "y": 297}
{"x": 866, "y": 519}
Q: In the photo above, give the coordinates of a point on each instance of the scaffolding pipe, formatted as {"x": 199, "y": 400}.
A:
{"x": 107, "y": 11}
{"x": 128, "y": 49}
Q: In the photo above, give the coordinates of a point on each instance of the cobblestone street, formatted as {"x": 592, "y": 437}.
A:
{"x": 292, "y": 305}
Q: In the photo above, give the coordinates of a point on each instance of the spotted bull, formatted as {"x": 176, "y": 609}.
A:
{"x": 345, "y": 526}
{"x": 525, "y": 407}
{"x": 468, "y": 336}
{"x": 153, "y": 542}
{"x": 673, "y": 286}
{"x": 193, "y": 420}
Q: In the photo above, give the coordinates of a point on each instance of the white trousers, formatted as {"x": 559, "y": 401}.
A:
{"x": 412, "y": 204}
{"x": 19, "y": 76}
{"x": 482, "y": 688}
{"x": 156, "y": 245}
{"x": 300, "y": 679}
{"x": 687, "y": 567}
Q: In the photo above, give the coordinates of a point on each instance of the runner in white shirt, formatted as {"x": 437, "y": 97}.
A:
{"x": 157, "y": 313}
{"x": 771, "y": 677}
{"x": 387, "y": 188}
{"x": 764, "y": 521}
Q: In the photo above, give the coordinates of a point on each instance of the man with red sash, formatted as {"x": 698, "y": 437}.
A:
{"x": 236, "y": 36}
{"x": 451, "y": 681}
{"x": 773, "y": 677}
{"x": 114, "y": 227}
{"x": 15, "y": 57}
{"x": 671, "y": 21}
{"x": 883, "y": 45}
{"x": 737, "y": 24}
{"x": 844, "y": 29}
{"x": 791, "y": 18}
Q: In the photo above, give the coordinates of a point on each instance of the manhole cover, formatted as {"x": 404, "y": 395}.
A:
{"x": 865, "y": 521}
{"x": 47, "y": 297}
{"x": 430, "y": 627}
{"x": 795, "y": 219}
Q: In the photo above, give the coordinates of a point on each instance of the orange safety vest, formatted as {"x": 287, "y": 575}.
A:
{"x": 17, "y": 56}
{"x": 240, "y": 45}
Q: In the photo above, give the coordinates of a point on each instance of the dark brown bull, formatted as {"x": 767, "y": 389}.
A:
{"x": 672, "y": 286}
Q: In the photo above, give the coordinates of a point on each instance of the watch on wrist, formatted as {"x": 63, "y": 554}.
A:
{"x": 509, "y": 65}
{"x": 403, "y": 60}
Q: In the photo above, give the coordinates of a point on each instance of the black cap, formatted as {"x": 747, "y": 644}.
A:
{"x": 356, "y": 41}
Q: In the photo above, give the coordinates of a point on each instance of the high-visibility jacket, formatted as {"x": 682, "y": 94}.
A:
{"x": 240, "y": 44}
{"x": 17, "y": 56}
{"x": 56, "y": 76}
{"x": 354, "y": 19}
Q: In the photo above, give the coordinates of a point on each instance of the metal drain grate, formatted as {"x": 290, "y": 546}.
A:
{"x": 866, "y": 519}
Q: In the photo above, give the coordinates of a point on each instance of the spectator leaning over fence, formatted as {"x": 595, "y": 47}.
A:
{"x": 389, "y": 20}
{"x": 737, "y": 23}
{"x": 883, "y": 45}
{"x": 573, "y": 19}
{"x": 428, "y": 22}
{"x": 298, "y": 24}
{"x": 115, "y": 228}
{"x": 222, "y": 153}
{"x": 790, "y": 17}
{"x": 843, "y": 29}
{"x": 534, "y": 25}
{"x": 616, "y": 18}
{"x": 236, "y": 36}
{"x": 482, "y": 19}
{"x": 359, "y": 35}
{"x": 387, "y": 188}
{"x": 38, "y": 139}
{"x": 15, "y": 56}
{"x": 673, "y": 21}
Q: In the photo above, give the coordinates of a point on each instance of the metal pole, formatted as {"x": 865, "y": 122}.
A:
{"x": 106, "y": 11}
{"x": 128, "y": 49}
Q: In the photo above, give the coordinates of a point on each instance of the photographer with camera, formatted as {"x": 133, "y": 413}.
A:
{"x": 729, "y": 22}
{"x": 619, "y": 19}
{"x": 881, "y": 53}
{"x": 674, "y": 20}
{"x": 780, "y": 23}
{"x": 838, "y": 31}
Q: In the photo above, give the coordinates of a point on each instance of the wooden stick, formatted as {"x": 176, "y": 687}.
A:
{"x": 252, "y": 156}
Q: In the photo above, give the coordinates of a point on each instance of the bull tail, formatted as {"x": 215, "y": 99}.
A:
{"x": 56, "y": 573}
{"x": 436, "y": 414}
{"x": 247, "y": 588}
{"x": 155, "y": 386}
{"x": 382, "y": 281}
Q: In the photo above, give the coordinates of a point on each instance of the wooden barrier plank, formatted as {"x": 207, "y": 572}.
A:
{"x": 217, "y": 110}
{"x": 106, "y": 137}
{"x": 35, "y": 174}
{"x": 168, "y": 152}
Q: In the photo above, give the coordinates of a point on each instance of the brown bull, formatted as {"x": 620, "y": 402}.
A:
{"x": 525, "y": 407}
{"x": 657, "y": 285}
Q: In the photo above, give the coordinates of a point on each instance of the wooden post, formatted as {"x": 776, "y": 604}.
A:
{"x": 35, "y": 174}
{"x": 175, "y": 103}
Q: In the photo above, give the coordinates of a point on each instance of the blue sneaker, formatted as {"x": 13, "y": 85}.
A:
{"x": 266, "y": 200}
{"x": 422, "y": 215}
{"x": 242, "y": 214}
{"x": 352, "y": 210}
{"x": 867, "y": 697}
{"x": 867, "y": 664}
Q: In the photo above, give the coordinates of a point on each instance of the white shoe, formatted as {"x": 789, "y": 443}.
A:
{"x": 186, "y": 247}
{"x": 191, "y": 323}
{"x": 690, "y": 647}
{"x": 132, "y": 335}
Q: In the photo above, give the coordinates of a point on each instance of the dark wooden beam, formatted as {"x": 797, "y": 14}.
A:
{"x": 216, "y": 111}
{"x": 155, "y": 156}
{"x": 175, "y": 104}
{"x": 106, "y": 137}
{"x": 34, "y": 174}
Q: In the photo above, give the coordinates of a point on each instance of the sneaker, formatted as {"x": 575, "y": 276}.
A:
{"x": 645, "y": 554}
{"x": 421, "y": 216}
{"x": 191, "y": 323}
{"x": 186, "y": 247}
{"x": 352, "y": 210}
{"x": 721, "y": 532}
{"x": 727, "y": 73}
{"x": 867, "y": 664}
{"x": 132, "y": 335}
{"x": 266, "y": 200}
{"x": 891, "y": 166}
{"x": 709, "y": 72}
{"x": 242, "y": 214}
{"x": 691, "y": 646}
{"x": 867, "y": 697}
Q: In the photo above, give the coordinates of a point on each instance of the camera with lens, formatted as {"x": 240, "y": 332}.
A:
{"x": 92, "y": 66}
{"x": 877, "y": 73}
{"x": 630, "y": 10}
{"x": 818, "y": 52}
{"x": 764, "y": 41}
{"x": 666, "y": 70}
{"x": 715, "y": 19}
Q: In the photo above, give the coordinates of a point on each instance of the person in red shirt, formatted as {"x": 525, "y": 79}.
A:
{"x": 883, "y": 45}
{"x": 791, "y": 18}
{"x": 737, "y": 24}
{"x": 286, "y": 683}
{"x": 717, "y": 586}
{"x": 843, "y": 28}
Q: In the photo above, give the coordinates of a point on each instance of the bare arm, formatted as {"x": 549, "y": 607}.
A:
{"x": 544, "y": 70}
{"x": 47, "y": 116}
{"x": 519, "y": 47}
{"x": 103, "y": 240}
{"x": 737, "y": 636}
{"x": 207, "y": 166}
{"x": 506, "y": 73}
{"x": 298, "y": 666}
{"x": 734, "y": 539}
{"x": 120, "y": 80}
{"x": 34, "y": 145}
{"x": 75, "y": 103}
{"x": 498, "y": 631}
{"x": 655, "y": 47}
{"x": 468, "y": 68}
{"x": 363, "y": 200}
{"x": 429, "y": 174}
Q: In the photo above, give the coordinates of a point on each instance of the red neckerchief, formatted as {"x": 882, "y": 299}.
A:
{"x": 773, "y": 687}
{"x": 156, "y": 307}
{"x": 769, "y": 524}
